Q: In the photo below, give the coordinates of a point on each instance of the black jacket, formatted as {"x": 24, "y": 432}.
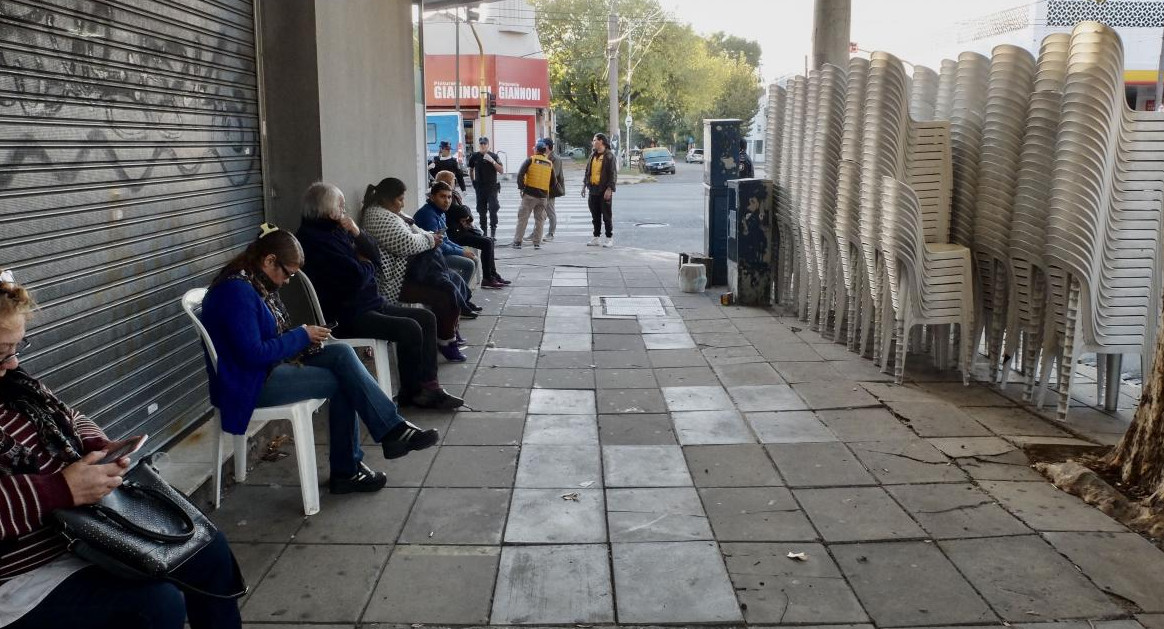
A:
{"x": 607, "y": 179}
{"x": 437, "y": 164}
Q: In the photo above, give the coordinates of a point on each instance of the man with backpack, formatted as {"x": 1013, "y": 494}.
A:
{"x": 533, "y": 180}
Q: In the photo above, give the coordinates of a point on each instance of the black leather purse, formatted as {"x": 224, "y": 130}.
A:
{"x": 144, "y": 529}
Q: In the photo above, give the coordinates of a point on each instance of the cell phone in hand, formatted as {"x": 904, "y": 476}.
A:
{"x": 331, "y": 325}
{"x": 125, "y": 447}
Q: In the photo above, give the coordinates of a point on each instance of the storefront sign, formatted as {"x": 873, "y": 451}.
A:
{"x": 516, "y": 81}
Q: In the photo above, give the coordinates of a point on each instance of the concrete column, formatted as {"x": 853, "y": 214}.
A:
{"x": 830, "y": 32}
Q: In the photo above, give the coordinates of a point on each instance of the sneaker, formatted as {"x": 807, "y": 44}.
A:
{"x": 537, "y": 245}
{"x": 474, "y": 307}
{"x": 501, "y": 280}
{"x": 549, "y": 238}
{"x": 451, "y": 352}
{"x": 516, "y": 245}
{"x": 593, "y": 242}
{"x": 492, "y": 283}
{"x": 468, "y": 315}
{"x": 609, "y": 242}
{"x": 366, "y": 479}
{"x": 406, "y": 437}
{"x": 435, "y": 399}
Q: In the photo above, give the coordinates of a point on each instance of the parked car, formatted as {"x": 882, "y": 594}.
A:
{"x": 695, "y": 156}
{"x": 657, "y": 160}
{"x": 575, "y": 153}
{"x": 636, "y": 157}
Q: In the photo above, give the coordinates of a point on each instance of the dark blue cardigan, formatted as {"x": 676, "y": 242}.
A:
{"x": 249, "y": 346}
{"x": 342, "y": 268}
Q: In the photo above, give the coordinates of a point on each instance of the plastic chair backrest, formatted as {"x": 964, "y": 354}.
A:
{"x": 301, "y": 300}
{"x": 313, "y": 297}
{"x": 192, "y": 304}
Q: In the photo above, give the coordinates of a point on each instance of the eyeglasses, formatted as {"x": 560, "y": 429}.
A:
{"x": 18, "y": 349}
{"x": 289, "y": 274}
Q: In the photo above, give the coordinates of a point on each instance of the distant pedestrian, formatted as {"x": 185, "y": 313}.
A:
{"x": 444, "y": 161}
{"x": 533, "y": 180}
{"x": 557, "y": 189}
{"x": 598, "y": 186}
{"x": 747, "y": 171}
{"x": 484, "y": 166}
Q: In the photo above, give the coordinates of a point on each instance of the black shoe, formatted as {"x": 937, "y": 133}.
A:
{"x": 366, "y": 479}
{"x": 468, "y": 314}
{"x": 407, "y": 437}
{"x": 474, "y": 307}
{"x": 436, "y": 399}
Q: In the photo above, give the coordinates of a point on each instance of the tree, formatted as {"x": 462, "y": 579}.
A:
{"x": 733, "y": 47}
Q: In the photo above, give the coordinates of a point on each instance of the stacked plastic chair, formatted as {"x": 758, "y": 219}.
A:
{"x": 777, "y": 97}
{"x": 1104, "y": 227}
{"x": 1012, "y": 72}
{"x": 944, "y": 106}
{"x": 826, "y": 156}
{"x": 794, "y": 129}
{"x": 804, "y": 195}
{"x": 923, "y": 97}
{"x": 849, "y": 198}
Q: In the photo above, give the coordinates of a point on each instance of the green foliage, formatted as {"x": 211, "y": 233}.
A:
{"x": 734, "y": 47}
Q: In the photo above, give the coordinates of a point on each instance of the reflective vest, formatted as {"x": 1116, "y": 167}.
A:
{"x": 538, "y": 174}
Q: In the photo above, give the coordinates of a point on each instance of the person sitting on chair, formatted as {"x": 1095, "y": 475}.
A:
{"x": 469, "y": 236}
{"x": 51, "y": 458}
{"x": 431, "y": 217}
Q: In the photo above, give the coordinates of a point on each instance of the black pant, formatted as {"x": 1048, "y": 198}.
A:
{"x": 94, "y": 599}
{"x": 601, "y": 211}
{"x": 487, "y": 205}
{"x": 414, "y": 330}
{"x": 485, "y": 246}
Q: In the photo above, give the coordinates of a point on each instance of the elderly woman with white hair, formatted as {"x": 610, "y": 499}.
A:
{"x": 342, "y": 261}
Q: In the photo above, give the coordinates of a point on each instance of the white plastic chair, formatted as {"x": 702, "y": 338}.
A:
{"x": 299, "y": 413}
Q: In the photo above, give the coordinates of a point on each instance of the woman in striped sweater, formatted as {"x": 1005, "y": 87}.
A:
{"x": 50, "y": 459}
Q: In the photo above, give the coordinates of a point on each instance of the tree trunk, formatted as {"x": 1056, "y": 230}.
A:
{"x": 1139, "y": 456}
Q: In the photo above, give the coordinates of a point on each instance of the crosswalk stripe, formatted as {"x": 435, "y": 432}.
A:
{"x": 572, "y": 212}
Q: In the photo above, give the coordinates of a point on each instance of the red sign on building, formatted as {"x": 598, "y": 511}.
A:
{"x": 516, "y": 81}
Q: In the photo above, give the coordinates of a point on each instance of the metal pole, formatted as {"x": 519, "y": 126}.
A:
{"x": 629, "y": 69}
{"x": 1160, "y": 78}
{"x": 457, "y": 53}
{"x": 612, "y": 68}
{"x": 482, "y": 115}
{"x": 1113, "y": 365}
{"x": 830, "y": 32}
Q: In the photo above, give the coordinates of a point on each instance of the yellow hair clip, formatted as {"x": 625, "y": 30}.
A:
{"x": 267, "y": 228}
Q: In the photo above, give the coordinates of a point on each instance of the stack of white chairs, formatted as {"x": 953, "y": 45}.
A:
{"x": 777, "y": 97}
{"x": 849, "y": 198}
{"x": 944, "y": 107}
{"x": 783, "y": 179}
{"x": 802, "y": 201}
{"x": 828, "y": 129}
{"x": 967, "y": 115}
{"x": 795, "y": 107}
{"x": 1104, "y": 227}
{"x": 923, "y": 97}
{"x": 1012, "y": 72}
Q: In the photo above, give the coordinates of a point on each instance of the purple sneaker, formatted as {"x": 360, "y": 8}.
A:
{"x": 452, "y": 353}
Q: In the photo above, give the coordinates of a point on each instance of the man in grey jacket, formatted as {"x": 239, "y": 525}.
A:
{"x": 557, "y": 189}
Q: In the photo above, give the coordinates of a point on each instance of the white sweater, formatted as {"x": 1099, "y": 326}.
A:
{"x": 398, "y": 242}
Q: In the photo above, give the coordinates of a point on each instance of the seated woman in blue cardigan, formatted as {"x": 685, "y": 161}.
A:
{"x": 264, "y": 361}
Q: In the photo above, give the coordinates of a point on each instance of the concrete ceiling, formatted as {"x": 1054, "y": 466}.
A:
{"x": 436, "y": 5}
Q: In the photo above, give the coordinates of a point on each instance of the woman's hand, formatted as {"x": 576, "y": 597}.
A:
{"x": 317, "y": 333}
{"x": 437, "y": 239}
{"x": 90, "y": 482}
{"x": 469, "y": 254}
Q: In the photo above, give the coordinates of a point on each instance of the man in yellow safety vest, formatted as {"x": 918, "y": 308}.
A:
{"x": 533, "y": 180}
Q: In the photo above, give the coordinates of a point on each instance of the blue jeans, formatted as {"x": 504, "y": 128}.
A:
{"x": 337, "y": 374}
{"x": 461, "y": 266}
{"x": 94, "y": 599}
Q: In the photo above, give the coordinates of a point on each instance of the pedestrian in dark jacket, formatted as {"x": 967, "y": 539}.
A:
{"x": 459, "y": 220}
{"x": 747, "y": 170}
{"x": 444, "y": 161}
{"x": 484, "y": 166}
{"x": 598, "y": 186}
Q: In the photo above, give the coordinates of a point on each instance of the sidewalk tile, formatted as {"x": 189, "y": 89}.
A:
{"x": 416, "y": 588}
{"x": 568, "y": 311}
{"x": 349, "y": 570}
{"x": 668, "y": 514}
{"x": 496, "y": 398}
{"x": 645, "y": 466}
{"x": 1023, "y": 577}
{"x": 860, "y": 370}
{"x": 559, "y": 466}
{"x": 1148, "y": 621}
{"x": 711, "y": 427}
{"x": 358, "y": 518}
{"x": 818, "y": 465}
{"x": 961, "y": 447}
{"x": 528, "y": 324}
{"x": 252, "y": 513}
{"x": 473, "y": 466}
{"x": 516, "y": 339}
{"x": 910, "y": 584}
{"x": 687, "y": 377}
{"x": 755, "y": 514}
{"x": 791, "y": 351}
{"x": 720, "y": 339}
{"x": 1124, "y": 564}
{"x": 557, "y": 342}
{"x": 553, "y": 585}
{"x": 1013, "y": 421}
{"x": 561, "y": 429}
{"x": 697, "y": 398}
{"x": 661, "y": 325}
{"x": 739, "y": 465}
{"x": 565, "y": 360}
{"x": 457, "y": 516}
{"x": 615, "y": 326}
{"x": 622, "y": 359}
{"x": 747, "y": 374}
{"x": 776, "y": 590}
{"x": 636, "y": 430}
{"x": 502, "y": 357}
{"x": 810, "y": 371}
{"x": 1043, "y": 507}
{"x": 906, "y": 461}
{"x": 938, "y": 419}
{"x": 673, "y": 582}
{"x": 732, "y": 355}
{"x": 556, "y": 516}
{"x": 564, "y": 379}
{"x": 853, "y": 514}
{"x": 619, "y": 342}
{"x": 864, "y": 424}
{"x": 1012, "y": 466}
{"x": 890, "y": 392}
{"x": 254, "y": 560}
{"x": 956, "y": 511}
{"x": 834, "y": 394}
{"x": 410, "y": 471}
{"x": 662, "y": 358}
{"x": 789, "y": 427}
{"x": 504, "y": 377}
{"x": 626, "y": 379}
{"x": 959, "y": 394}
{"x": 614, "y": 401}
{"x": 485, "y": 429}
{"x": 767, "y": 397}
{"x": 561, "y": 402}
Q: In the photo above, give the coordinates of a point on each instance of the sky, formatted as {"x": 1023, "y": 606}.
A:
{"x": 918, "y": 31}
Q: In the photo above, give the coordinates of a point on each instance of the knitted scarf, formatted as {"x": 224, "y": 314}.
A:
{"x": 50, "y": 416}
{"x": 270, "y": 297}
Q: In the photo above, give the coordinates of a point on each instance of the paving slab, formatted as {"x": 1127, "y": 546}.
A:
{"x": 772, "y": 589}
{"x": 910, "y": 584}
{"x": 787, "y": 351}
{"x": 503, "y": 377}
{"x": 416, "y": 589}
{"x": 767, "y": 397}
{"x": 561, "y": 430}
{"x": 720, "y": 339}
{"x": 567, "y": 325}
{"x": 626, "y": 379}
{"x": 557, "y": 584}
{"x": 664, "y": 514}
{"x": 644, "y": 466}
{"x": 938, "y": 419}
{"x": 252, "y": 513}
{"x": 739, "y": 465}
{"x": 676, "y": 358}
{"x": 756, "y": 514}
{"x": 662, "y": 325}
{"x": 528, "y": 324}
{"x": 613, "y": 401}
{"x": 696, "y": 398}
{"x": 254, "y": 561}
{"x": 516, "y": 339}
{"x": 864, "y": 424}
{"x": 673, "y": 582}
{"x": 685, "y": 377}
{"x": 345, "y": 518}
{"x": 619, "y": 342}
{"x": 615, "y": 326}
{"x": 818, "y": 465}
{"x": 496, "y": 398}
{"x": 962, "y": 447}
{"x": 472, "y": 429}
{"x": 834, "y": 393}
{"x": 851, "y": 514}
{"x": 948, "y": 511}
{"x": 1124, "y": 564}
{"x": 473, "y": 466}
{"x": 636, "y": 430}
{"x": 1023, "y": 577}
{"x": 559, "y": 466}
{"x": 1013, "y": 421}
{"x": 908, "y": 392}
{"x": 410, "y": 471}
{"x": 1148, "y": 621}
{"x": 564, "y": 379}
{"x": 711, "y": 427}
{"x": 732, "y": 355}
{"x": 789, "y": 427}
{"x": 349, "y": 570}
{"x": 561, "y": 342}
{"x": 860, "y": 370}
{"x": 565, "y": 360}
{"x": 501, "y": 357}
{"x": 748, "y": 374}
{"x": 622, "y": 359}
{"x": 561, "y": 402}
{"x": 457, "y": 516}
{"x": 906, "y": 461}
{"x": 959, "y": 394}
{"x": 1088, "y": 624}
{"x": 1043, "y": 507}
{"x": 556, "y": 516}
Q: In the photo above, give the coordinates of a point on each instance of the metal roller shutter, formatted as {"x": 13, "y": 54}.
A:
{"x": 129, "y": 172}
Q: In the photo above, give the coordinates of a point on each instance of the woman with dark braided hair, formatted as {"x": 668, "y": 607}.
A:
{"x": 50, "y": 458}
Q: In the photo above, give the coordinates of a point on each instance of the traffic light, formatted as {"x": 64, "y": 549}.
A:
{"x": 491, "y": 107}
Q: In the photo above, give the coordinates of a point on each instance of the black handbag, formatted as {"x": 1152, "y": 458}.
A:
{"x": 143, "y": 529}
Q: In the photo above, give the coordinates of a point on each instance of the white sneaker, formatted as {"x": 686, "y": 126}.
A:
{"x": 609, "y": 242}
{"x": 593, "y": 242}
{"x": 549, "y": 238}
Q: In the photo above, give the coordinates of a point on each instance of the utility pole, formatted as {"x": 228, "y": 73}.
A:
{"x": 612, "y": 70}
{"x": 629, "y": 70}
{"x": 457, "y": 60}
{"x": 830, "y": 33}
{"x": 1160, "y": 79}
